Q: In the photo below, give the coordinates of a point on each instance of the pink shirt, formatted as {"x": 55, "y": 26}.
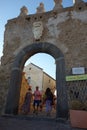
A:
{"x": 37, "y": 95}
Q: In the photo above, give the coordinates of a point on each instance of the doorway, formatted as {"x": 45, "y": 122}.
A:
{"x": 16, "y": 77}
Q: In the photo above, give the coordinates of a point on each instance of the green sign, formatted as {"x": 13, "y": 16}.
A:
{"x": 76, "y": 77}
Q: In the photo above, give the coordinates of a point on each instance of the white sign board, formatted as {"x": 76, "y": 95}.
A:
{"x": 79, "y": 70}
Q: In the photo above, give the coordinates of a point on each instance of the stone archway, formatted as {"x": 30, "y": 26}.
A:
{"x": 16, "y": 77}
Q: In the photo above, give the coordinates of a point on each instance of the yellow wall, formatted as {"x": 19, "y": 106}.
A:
{"x": 24, "y": 88}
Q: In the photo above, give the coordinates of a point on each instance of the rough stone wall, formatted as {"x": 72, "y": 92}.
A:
{"x": 66, "y": 28}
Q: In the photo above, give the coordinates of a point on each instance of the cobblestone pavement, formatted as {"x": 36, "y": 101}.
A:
{"x": 33, "y": 123}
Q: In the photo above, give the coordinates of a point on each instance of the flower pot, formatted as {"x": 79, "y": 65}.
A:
{"x": 78, "y": 118}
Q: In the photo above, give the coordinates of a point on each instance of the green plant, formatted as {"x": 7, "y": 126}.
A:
{"x": 85, "y": 106}
{"x": 77, "y": 105}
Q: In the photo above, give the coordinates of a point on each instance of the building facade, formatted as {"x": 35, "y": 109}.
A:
{"x": 37, "y": 77}
{"x": 61, "y": 32}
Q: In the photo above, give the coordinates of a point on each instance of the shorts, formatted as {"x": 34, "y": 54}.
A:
{"x": 36, "y": 103}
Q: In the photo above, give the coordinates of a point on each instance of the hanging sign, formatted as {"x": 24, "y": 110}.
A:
{"x": 76, "y": 77}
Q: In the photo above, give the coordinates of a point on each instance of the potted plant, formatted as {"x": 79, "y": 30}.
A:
{"x": 78, "y": 114}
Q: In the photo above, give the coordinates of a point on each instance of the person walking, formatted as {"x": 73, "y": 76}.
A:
{"x": 27, "y": 102}
{"x": 48, "y": 100}
{"x": 37, "y": 100}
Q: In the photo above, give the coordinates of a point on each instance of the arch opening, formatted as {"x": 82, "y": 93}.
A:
{"x": 16, "y": 77}
{"x": 39, "y": 70}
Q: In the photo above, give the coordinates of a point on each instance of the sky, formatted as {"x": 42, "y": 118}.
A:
{"x": 10, "y": 9}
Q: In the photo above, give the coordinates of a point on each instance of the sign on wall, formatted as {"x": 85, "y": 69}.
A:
{"x": 76, "y": 77}
{"x": 79, "y": 70}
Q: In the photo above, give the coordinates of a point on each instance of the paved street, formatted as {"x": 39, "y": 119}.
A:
{"x": 33, "y": 123}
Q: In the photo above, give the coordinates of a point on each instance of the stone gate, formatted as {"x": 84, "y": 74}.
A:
{"x": 61, "y": 32}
